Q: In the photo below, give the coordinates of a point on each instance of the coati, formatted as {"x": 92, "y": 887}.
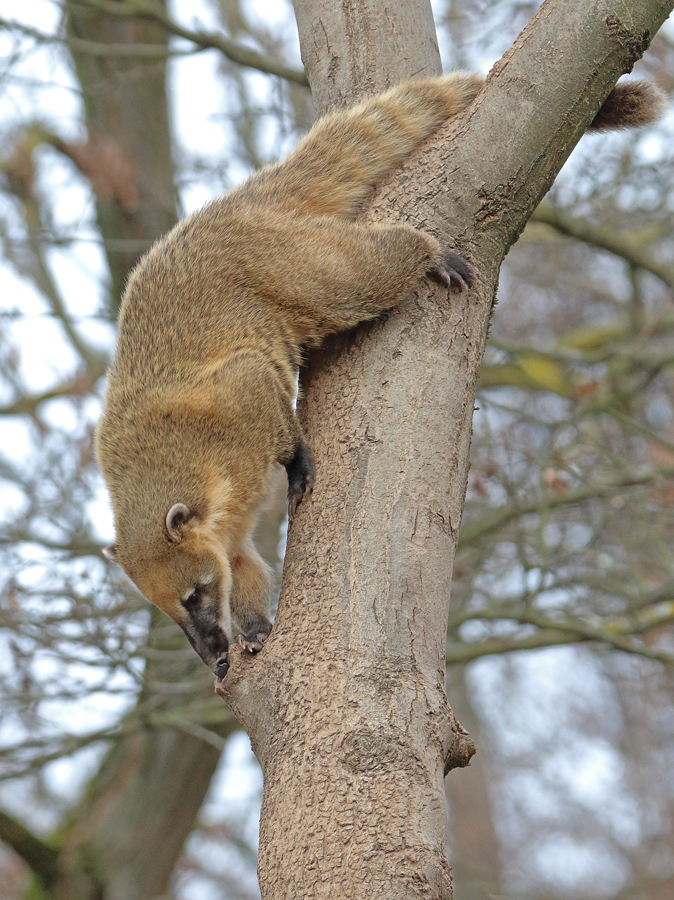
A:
{"x": 200, "y": 397}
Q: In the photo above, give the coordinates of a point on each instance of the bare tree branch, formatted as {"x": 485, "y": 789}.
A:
{"x": 95, "y": 48}
{"x": 242, "y": 56}
{"x": 471, "y": 533}
{"x": 79, "y": 386}
{"x": 40, "y": 857}
{"x": 605, "y": 238}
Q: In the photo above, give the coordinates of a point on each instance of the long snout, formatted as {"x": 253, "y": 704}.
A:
{"x": 208, "y": 638}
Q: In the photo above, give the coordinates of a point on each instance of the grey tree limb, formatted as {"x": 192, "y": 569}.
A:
{"x": 499, "y": 518}
{"x": 39, "y": 856}
{"x": 605, "y": 238}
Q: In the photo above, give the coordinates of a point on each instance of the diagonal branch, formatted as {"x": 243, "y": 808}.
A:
{"x": 618, "y": 632}
{"x": 366, "y": 588}
{"x": 40, "y": 857}
{"x": 94, "y": 48}
{"x": 567, "y": 632}
{"x": 604, "y": 238}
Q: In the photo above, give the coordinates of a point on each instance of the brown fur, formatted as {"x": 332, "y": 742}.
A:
{"x": 630, "y": 104}
{"x": 200, "y": 398}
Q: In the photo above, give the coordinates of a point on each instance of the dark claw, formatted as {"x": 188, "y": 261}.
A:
{"x": 453, "y": 272}
{"x": 255, "y": 637}
{"x": 221, "y": 667}
{"x": 252, "y": 646}
{"x": 300, "y": 471}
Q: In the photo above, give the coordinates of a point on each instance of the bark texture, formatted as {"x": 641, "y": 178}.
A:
{"x": 346, "y": 704}
{"x": 359, "y": 47}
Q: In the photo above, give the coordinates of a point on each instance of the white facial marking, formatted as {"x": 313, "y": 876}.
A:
{"x": 203, "y": 582}
{"x": 226, "y": 620}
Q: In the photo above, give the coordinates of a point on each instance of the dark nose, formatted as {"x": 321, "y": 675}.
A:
{"x": 221, "y": 667}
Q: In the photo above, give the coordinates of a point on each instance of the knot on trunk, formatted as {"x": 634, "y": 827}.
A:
{"x": 634, "y": 42}
{"x": 458, "y": 745}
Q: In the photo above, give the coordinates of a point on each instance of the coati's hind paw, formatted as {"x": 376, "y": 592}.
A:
{"x": 255, "y": 637}
{"x": 452, "y": 271}
{"x": 300, "y": 471}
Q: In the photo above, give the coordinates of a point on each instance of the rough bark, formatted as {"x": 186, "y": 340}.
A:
{"x": 346, "y": 706}
{"x": 359, "y": 47}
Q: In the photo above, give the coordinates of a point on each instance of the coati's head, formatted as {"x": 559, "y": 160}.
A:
{"x": 182, "y": 567}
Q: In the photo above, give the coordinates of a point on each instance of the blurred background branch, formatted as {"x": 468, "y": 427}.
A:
{"x": 236, "y": 53}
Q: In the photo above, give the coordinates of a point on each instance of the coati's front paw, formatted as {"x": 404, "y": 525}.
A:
{"x": 453, "y": 271}
{"x": 300, "y": 471}
{"x": 255, "y": 637}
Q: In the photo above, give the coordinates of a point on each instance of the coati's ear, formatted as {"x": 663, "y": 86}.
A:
{"x": 176, "y": 519}
{"x": 110, "y": 552}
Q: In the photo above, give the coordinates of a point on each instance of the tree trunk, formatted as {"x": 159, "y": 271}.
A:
{"x": 125, "y": 102}
{"x": 345, "y": 705}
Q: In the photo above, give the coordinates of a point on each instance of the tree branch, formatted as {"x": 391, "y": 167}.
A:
{"x": 94, "y": 48}
{"x": 604, "y": 238}
{"x": 345, "y": 701}
{"x": 236, "y": 53}
{"x": 497, "y": 519}
{"x": 78, "y": 386}
{"x": 617, "y": 632}
{"x": 191, "y": 719}
{"x": 40, "y": 857}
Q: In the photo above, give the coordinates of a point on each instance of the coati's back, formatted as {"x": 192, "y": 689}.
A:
{"x": 189, "y": 302}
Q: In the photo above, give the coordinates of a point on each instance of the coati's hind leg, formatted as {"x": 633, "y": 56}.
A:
{"x": 300, "y": 471}
{"x": 249, "y": 599}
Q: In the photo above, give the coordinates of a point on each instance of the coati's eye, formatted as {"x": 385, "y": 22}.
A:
{"x": 192, "y": 600}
